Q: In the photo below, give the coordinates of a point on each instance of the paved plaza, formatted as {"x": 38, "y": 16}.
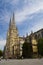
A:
{"x": 22, "y": 62}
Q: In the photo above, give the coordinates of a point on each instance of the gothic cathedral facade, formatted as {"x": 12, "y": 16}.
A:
{"x": 12, "y": 47}
{"x": 14, "y": 43}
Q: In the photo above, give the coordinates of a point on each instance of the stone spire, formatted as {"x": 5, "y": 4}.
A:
{"x": 13, "y": 21}
{"x": 12, "y": 40}
{"x": 10, "y": 24}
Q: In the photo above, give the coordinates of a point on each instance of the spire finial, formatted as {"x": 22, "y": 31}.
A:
{"x": 10, "y": 22}
{"x": 13, "y": 15}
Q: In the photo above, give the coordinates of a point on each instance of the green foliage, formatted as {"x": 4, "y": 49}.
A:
{"x": 1, "y": 53}
{"x": 27, "y": 50}
{"x": 40, "y": 46}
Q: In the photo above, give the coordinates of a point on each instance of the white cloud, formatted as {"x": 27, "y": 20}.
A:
{"x": 28, "y": 9}
{"x": 2, "y": 44}
{"x": 12, "y": 2}
{"x": 38, "y": 26}
{"x": 34, "y": 28}
{"x": 5, "y": 17}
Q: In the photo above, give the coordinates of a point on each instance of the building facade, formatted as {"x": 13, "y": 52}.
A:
{"x": 12, "y": 49}
{"x": 34, "y": 45}
{"x": 39, "y": 34}
{"x": 34, "y": 41}
{"x": 14, "y": 43}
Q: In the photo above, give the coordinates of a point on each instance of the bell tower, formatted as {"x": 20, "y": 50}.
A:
{"x": 12, "y": 42}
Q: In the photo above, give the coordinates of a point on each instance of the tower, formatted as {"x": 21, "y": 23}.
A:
{"x": 12, "y": 42}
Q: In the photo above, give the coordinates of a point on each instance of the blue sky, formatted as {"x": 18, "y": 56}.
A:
{"x": 28, "y": 16}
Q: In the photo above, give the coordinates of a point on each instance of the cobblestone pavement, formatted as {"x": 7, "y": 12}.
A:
{"x": 22, "y": 62}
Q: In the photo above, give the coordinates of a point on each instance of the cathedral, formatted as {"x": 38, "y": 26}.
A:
{"x": 12, "y": 48}
{"x": 14, "y": 43}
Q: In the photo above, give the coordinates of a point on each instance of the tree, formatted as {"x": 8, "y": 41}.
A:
{"x": 27, "y": 50}
{"x": 40, "y": 46}
{"x": 1, "y": 53}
